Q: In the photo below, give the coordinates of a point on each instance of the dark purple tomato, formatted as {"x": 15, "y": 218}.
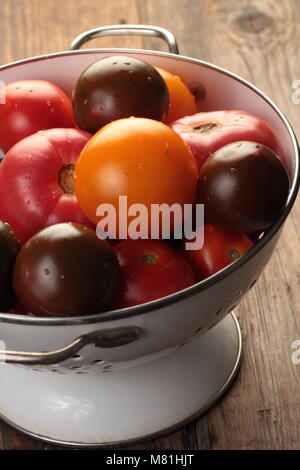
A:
{"x": 118, "y": 87}
{"x": 65, "y": 270}
{"x": 9, "y": 247}
{"x": 243, "y": 186}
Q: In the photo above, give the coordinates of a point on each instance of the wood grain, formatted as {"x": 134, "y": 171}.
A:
{"x": 259, "y": 41}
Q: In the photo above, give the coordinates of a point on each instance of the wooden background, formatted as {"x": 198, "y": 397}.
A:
{"x": 261, "y": 42}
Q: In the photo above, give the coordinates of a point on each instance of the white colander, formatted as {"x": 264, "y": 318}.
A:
{"x": 135, "y": 373}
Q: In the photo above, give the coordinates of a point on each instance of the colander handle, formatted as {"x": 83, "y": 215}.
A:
{"x": 127, "y": 30}
{"x": 106, "y": 338}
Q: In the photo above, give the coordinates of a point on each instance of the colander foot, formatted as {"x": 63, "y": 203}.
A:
{"x": 128, "y": 405}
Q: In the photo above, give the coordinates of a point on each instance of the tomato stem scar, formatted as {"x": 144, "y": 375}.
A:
{"x": 205, "y": 128}
{"x": 66, "y": 178}
{"x": 234, "y": 254}
{"x": 149, "y": 258}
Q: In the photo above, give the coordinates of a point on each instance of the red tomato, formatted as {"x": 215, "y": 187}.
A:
{"x": 219, "y": 250}
{"x": 36, "y": 181}
{"x": 207, "y": 132}
{"x": 150, "y": 270}
{"x": 30, "y": 106}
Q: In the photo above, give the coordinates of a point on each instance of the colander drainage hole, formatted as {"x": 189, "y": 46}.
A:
{"x": 76, "y": 357}
{"x": 59, "y": 371}
{"x": 253, "y": 283}
{"x": 198, "y": 329}
{"x": 239, "y": 295}
{"x": 219, "y": 312}
{"x": 98, "y": 361}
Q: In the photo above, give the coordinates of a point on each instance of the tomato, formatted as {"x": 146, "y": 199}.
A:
{"x": 65, "y": 270}
{"x": 9, "y": 247}
{"x": 207, "y": 132}
{"x": 19, "y": 309}
{"x": 219, "y": 250}
{"x": 149, "y": 270}
{"x": 117, "y": 87}
{"x": 243, "y": 186}
{"x": 182, "y": 101}
{"x": 142, "y": 159}
{"x": 36, "y": 181}
{"x": 30, "y": 106}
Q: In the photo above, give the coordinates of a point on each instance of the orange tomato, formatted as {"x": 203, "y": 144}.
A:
{"x": 140, "y": 158}
{"x": 182, "y": 101}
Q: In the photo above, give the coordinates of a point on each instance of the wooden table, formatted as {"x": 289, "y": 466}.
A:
{"x": 259, "y": 41}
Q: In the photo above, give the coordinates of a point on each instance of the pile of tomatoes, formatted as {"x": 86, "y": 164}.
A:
{"x": 130, "y": 130}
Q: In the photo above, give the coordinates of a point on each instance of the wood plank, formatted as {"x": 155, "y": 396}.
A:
{"x": 35, "y": 27}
